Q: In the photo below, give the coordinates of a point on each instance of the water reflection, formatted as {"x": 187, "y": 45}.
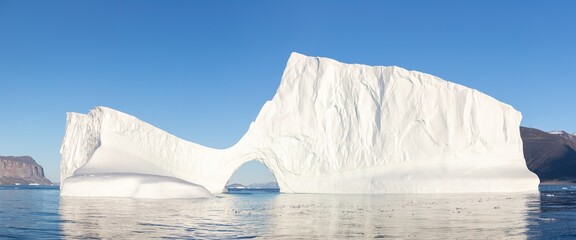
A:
{"x": 309, "y": 216}
{"x": 136, "y": 218}
{"x": 554, "y": 215}
{"x": 423, "y": 216}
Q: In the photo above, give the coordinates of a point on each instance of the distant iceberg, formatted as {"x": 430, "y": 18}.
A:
{"x": 330, "y": 128}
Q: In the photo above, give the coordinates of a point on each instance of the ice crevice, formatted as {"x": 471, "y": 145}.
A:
{"x": 330, "y": 128}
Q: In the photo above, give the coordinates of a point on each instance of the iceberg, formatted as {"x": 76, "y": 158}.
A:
{"x": 330, "y": 128}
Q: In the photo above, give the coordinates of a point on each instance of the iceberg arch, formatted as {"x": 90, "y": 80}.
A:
{"x": 330, "y": 128}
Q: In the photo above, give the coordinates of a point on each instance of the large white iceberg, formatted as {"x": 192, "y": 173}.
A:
{"x": 330, "y": 128}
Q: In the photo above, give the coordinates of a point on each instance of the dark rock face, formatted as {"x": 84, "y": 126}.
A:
{"x": 570, "y": 137}
{"x": 551, "y": 156}
{"x": 23, "y": 170}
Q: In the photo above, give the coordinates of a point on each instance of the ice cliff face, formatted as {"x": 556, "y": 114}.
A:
{"x": 330, "y": 128}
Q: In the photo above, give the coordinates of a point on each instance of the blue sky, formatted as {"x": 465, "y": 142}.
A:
{"x": 202, "y": 69}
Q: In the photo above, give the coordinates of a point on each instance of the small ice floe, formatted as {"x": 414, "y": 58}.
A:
{"x": 549, "y": 195}
{"x": 565, "y": 188}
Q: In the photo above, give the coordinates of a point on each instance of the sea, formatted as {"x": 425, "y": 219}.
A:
{"x": 38, "y": 212}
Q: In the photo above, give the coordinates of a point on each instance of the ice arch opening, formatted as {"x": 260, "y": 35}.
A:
{"x": 254, "y": 173}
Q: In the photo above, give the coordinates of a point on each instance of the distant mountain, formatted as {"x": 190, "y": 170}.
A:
{"x": 552, "y": 156}
{"x": 21, "y": 170}
{"x": 269, "y": 185}
{"x": 571, "y": 137}
{"x": 235, "y": 186}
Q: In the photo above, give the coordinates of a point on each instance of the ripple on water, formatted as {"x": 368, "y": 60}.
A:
{"x": 43, "y": 214}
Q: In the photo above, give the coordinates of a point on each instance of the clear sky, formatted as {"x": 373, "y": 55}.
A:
{"x": 201, "y": 70}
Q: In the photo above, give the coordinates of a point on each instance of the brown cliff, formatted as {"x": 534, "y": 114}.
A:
{"x": 23, "y": 170}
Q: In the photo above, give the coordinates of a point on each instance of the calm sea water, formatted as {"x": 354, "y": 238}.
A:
{"x": 39, "y": 213}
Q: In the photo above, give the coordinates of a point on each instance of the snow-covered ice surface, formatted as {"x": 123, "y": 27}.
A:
{"x": 330, "y": 128}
